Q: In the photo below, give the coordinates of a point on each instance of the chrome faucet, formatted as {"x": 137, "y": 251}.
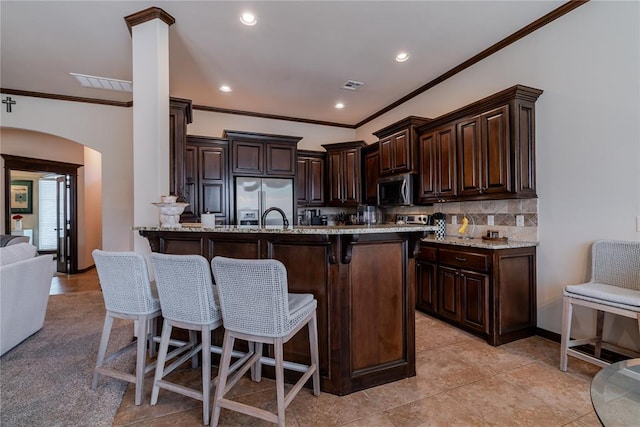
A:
{"x": 266, "y": 212}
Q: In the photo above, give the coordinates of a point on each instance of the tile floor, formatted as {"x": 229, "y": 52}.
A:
{"x": 460, "y": 381}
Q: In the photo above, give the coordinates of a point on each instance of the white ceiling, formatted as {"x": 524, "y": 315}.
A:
{"x": 292, "y": 63}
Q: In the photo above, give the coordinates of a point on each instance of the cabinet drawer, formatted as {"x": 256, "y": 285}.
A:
{"x": 427, "y": 253}
{"x": 465, "y": 260}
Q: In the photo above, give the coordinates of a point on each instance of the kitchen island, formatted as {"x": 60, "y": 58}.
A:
{"x": 362, "y": 277}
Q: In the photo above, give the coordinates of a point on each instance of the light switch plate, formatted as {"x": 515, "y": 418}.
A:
{"x": 519, "y": 220}
{"x": 454, "y": 219}
{"x": 489, "y": 219}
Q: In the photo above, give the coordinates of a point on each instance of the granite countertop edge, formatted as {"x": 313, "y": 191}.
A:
{"x": 338, "y": 229}
{"x": 480, "y": 243}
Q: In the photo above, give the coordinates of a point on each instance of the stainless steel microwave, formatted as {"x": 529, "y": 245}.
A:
{"x": 396, "y": 190}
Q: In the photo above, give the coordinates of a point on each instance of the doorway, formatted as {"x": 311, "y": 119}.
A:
{"x": 65, "y": 211}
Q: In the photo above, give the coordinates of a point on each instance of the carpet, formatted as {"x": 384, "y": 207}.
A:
{"x": 46, "y": 379}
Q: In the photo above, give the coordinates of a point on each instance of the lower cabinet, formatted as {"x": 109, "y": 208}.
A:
{"x": 489, "y": 292}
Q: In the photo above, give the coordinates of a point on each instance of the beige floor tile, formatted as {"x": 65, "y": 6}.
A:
{"x": 438, "y": 410}
{"x": 557, "y": 389}
{"x": 447, "y": 370}
{"x": 504, "y": 404}
{"x": 589, "y": 420}
{"x": 479, "y": 354}
{"x": 330, "y": 410}
{"x": 377, "y": 420}
{"x": 401, "y": 392}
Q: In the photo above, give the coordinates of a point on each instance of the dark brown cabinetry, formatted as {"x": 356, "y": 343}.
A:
{"x": 438, "y": 176}
{"x": 344, "y": 173}
{"x": 493, "y": 149}
{"x": 371, "y": 166}
{"x": 489, "y": 292}
{"x": 399, "y": 146}
{"x": 258, "y": 154}
{"x": 180, "y": 114}
{"x": 207, "y": 177}
{"x": 310, "y": 178}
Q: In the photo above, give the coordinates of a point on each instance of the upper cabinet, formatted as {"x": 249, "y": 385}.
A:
{"x": 371, "y": 166}
{"x": 207, "y": 178}
{"x": 398, "y": 146}
{"x": 344, "y": 173}
{"x": 485, "y": 150}
{"x": 259, "y": 154}
{"x": 180, "y": 114}
{"x": 310, "y": 178}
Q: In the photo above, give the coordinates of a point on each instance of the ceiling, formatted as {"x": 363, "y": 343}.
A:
{"x": 292, "y": 63}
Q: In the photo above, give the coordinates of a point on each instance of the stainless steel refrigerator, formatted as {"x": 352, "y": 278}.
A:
{"x": 255, "y": 195}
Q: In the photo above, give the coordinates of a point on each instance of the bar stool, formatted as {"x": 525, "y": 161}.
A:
{"x": 188, "y": 301}
{"x": 127, "y": 294}
{"x": 257, "y": 307}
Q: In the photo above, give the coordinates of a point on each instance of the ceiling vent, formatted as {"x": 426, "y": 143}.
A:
{"x": 103, "y": 83}
{"x": 352, "y": 85}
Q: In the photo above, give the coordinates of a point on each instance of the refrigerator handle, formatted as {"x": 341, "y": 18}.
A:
{"x": 261, "y": 197}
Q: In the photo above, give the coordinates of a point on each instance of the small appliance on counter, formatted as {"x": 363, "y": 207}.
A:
{"x": 421, "y": 219}
{"x": 368, "y": 215}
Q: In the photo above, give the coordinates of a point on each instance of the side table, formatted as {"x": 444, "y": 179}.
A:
{"x": 615, "y": 394}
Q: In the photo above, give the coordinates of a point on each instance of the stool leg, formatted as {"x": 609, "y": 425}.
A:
{"x": 279, "y": 353}
{"x": 162, "y": 357}
{"x": 141, "y": 359}
{"x": 193, "y": 341}
{"x": 599, "y": 326}
{"x": 223, "y": 372}
{"x": 102, "y": 350}
{"x": 153, "y": 330}
{"x": 315, "y": 360}
{"x": 567, "y": 309}
{"x": 256, "y": 368}
{"x": 206, "y": 374}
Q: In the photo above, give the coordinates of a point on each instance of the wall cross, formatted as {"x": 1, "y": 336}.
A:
{"x": 9, "y": 102}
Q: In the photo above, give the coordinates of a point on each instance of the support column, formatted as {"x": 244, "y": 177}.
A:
{"x": 150, "y": 41}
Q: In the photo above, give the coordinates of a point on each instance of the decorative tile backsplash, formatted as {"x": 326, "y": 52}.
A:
{"x": 504, "y": 216}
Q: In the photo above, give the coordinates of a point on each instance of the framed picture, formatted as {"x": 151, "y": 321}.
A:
{"x": 21, "y": 197}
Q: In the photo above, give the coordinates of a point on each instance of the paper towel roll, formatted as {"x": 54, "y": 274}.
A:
{"x": 208, "y": 220}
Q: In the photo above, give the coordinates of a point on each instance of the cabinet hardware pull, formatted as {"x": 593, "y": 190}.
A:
{"x": 460, "y": 258}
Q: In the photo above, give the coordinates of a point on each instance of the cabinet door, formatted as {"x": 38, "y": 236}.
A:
{"x": 469, "y": 156}
{"x": 494, "y": 127}
{"x": 281, "y": 159}
{"x": 401, "y": 152}
{"x": 371, "y": 174}
{"x": 190, "y": 190}
{"x": 351, "y": 177}
{"x": 474, "y": 296}
{"x": 426, "y": 289}
{"x": 248, "y": 157}
{"x": 302, "y": 173}
{"x": 446, "y": 162}
{"x": 213, "y": 166}
{"x": 315, "y": 182}
{"x": 334, "y": 168}
{"x": 386, "y": 156}
{"x": 428, "y": 161}
{"x": 448, "y": 293}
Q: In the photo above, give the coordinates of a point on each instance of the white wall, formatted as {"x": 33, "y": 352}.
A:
{"x": 588, "y": 137}
{"x": 106, "y": 129}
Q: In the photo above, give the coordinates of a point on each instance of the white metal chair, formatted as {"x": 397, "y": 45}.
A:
{"x": 188, "y": 301}
{"x": 127, "y": 294}
{"x": 614, "y": 288}
{"x": 257, "y": 307}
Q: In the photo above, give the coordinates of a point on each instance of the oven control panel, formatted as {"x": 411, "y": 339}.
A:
{"x": 414, "y": 219}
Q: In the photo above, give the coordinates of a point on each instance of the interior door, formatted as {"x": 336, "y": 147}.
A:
{"x": 63, "y": 225}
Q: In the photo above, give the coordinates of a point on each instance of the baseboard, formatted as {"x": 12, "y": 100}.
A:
{"x": 605, "y": 354}
{"x": 84, "y": 270}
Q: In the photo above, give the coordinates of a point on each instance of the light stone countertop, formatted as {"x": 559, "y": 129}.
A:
{"x": 479, "y": 243}
{"x": 296, "y": 229}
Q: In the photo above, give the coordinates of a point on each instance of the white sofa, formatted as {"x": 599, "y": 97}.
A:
{"x": 25, "y": 280}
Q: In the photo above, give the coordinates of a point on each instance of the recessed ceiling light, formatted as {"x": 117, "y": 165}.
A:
{"x": 402, "y": 56}
{"x": 225, "y": 88}
{"x": 339, "y": 105}
{"x": 248, "y": 18}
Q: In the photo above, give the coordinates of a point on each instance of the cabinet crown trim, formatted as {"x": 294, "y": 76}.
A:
{"x": 400, "y": 125}
{"x": 497, "y": 99}
{"x": 261, "y": 137}
{"x": 343, "y": 145}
